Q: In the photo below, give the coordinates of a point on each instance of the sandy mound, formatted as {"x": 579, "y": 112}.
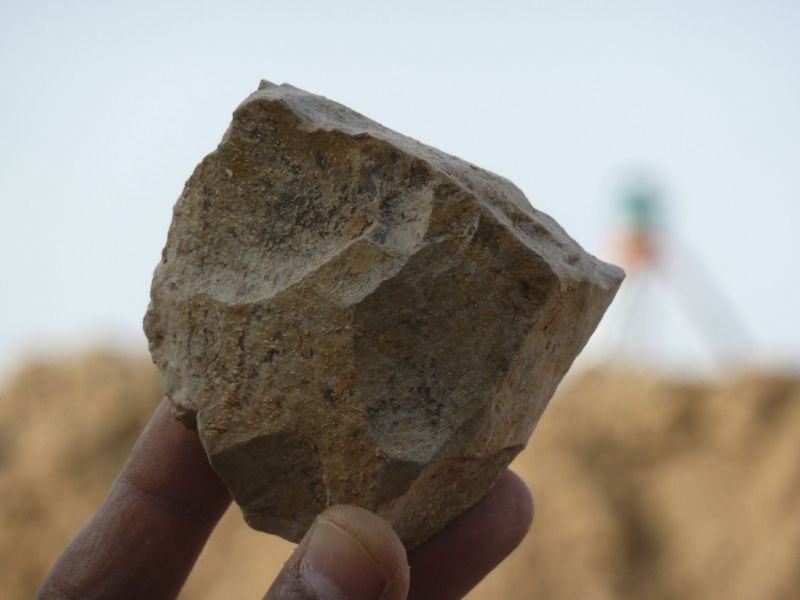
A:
{"x": 645, "y": 488}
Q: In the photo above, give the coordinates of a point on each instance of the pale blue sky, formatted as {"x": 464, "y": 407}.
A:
{"x": 105, "y": 108}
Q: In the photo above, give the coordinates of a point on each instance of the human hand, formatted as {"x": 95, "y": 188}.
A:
{"x": 145, "y": 538}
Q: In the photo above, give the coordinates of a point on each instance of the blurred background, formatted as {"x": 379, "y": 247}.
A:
{"x": 662, "y": 136}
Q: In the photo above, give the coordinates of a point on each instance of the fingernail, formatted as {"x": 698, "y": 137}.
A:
{"x": 337, "y": 567}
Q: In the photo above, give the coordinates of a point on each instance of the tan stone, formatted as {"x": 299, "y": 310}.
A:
{"x": 349, "y": 316}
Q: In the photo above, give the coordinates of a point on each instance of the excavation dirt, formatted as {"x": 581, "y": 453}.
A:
{"x": 645, "y": 488}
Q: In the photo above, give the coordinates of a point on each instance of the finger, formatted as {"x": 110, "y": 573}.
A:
{"x": 453, "y": 562}
{"x": 146, "y": 536}
{"x": 347, "y": 553}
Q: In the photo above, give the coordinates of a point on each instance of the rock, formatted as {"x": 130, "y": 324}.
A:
{"x": 350, "y": 316}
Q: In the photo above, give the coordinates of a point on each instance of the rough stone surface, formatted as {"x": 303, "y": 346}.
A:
{"x": 349, "y": 316}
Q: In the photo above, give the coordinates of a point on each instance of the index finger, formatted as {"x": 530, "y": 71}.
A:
{"x": 145, "y": 538}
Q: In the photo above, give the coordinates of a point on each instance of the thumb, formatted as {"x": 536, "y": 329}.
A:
{"x": 348, "y": 553}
